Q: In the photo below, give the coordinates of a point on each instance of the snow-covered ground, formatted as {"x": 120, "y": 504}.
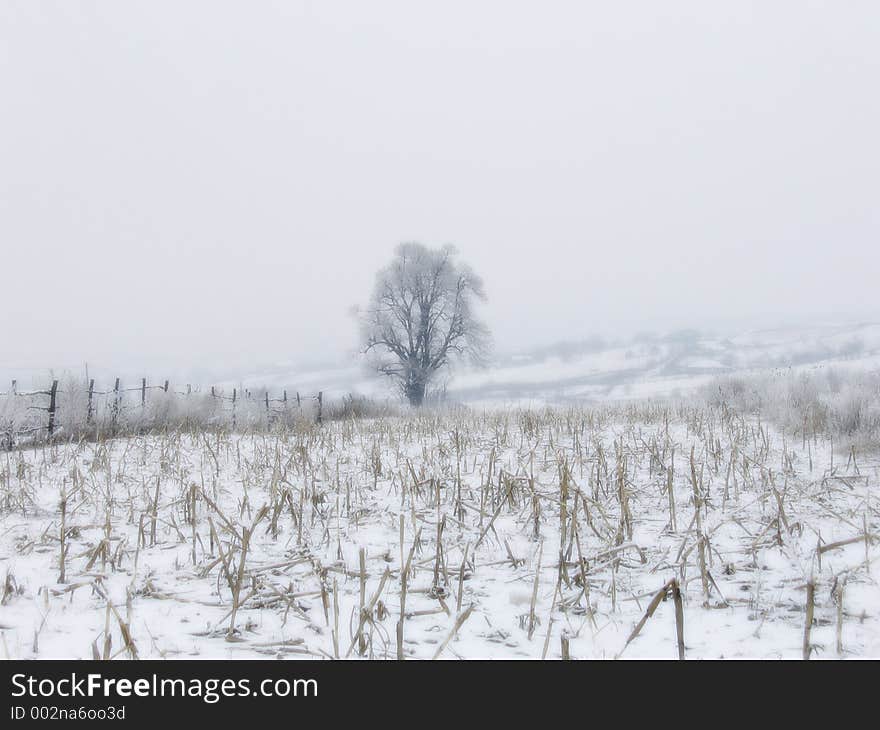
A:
{"x": 592, "y": 371}
{"x": 523, "y": 530}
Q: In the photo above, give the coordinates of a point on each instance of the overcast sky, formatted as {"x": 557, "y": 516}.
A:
{"x": 216, "y": 182}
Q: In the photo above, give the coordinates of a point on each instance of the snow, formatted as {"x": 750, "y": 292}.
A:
{"x": 346, "y": 486}
{"x": 643, "y": 367}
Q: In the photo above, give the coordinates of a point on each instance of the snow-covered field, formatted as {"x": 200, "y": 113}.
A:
{"x": 526, "y": 533}
{"x": 589, "y": 372}
{"x": 596, "y": 371}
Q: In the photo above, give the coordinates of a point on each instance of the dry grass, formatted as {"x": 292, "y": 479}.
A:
{"x": 360, "y": 537}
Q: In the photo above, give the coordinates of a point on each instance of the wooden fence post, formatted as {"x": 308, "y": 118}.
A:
{"x": 114, "y": 416}
{"x": 320, "y": 406}
{"x": 10, "y": 442}
{"x": 234, "y": 393}
{"x": 143, "y": 393}
{"x": 166, "y": 386}
{"x": 91, "y": 394}
{"x": 52, "y": 394}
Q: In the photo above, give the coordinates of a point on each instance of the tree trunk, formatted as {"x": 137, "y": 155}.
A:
{"x": 415, "y": 393}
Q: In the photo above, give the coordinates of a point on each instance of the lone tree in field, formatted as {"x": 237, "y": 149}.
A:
{"x": 421, "y": 317}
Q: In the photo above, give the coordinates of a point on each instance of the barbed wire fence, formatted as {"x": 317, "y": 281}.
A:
{"x": 74, "y": 407}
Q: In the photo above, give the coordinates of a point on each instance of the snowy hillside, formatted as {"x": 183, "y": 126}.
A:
{"x": 644, "y": 366}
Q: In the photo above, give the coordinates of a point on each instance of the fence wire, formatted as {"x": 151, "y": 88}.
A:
{"x": 73, "y": 408}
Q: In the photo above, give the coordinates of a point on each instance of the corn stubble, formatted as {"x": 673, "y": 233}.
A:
{"x": 587, "y": 508}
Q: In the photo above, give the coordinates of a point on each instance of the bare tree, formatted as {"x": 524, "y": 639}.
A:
{"x": 421, "y": 317}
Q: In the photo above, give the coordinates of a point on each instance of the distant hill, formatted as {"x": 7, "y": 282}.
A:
{"x": 595, "y": 369}
{"x": 587, "y": 370}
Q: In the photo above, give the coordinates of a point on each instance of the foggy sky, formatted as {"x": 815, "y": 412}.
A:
{"x": 217, "y": 182}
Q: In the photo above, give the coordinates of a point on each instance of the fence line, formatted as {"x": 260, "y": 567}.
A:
{"x": 79, "y": 408}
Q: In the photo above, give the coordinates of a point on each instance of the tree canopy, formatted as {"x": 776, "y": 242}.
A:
{"x": 421, "y": 317}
